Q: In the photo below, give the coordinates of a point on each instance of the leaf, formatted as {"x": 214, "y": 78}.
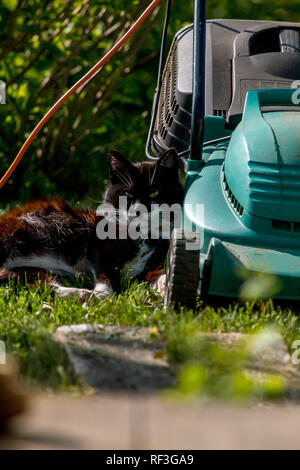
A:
{"x": 10, "y": 4}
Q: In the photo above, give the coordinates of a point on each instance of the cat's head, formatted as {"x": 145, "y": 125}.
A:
{"x": 149, "y": 184}
{"x": 144, "y": 183}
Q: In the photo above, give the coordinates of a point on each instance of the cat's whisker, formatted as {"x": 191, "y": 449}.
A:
{"x": 95, "y": 200}
{"x": 125, "y": 177}
{"x": 121, "y": 176}
{"x": 153, "y": 175}
{"x": 129, "y": 177}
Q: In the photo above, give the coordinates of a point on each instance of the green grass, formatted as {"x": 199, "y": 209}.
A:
{"x": 29, "y": 317}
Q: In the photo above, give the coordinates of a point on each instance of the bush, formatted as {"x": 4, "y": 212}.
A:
{"x": 46, "y": 46}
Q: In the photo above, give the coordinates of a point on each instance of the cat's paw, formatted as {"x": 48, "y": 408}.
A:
{"x": 160, "y": 284}
{"x": 102, "y": 291}
{"x": 80, "y": 294}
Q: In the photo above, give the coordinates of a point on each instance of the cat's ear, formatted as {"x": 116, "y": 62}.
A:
{"x": 169, "y": 160}
{"x": 115, "y": 160}
{"x": 119, "y": 167}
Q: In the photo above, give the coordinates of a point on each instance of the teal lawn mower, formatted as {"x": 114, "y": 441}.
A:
{"x": 227, "y": 102}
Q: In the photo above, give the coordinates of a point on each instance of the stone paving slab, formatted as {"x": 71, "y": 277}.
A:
{"x": 268, "y": 354}
{"x": 116, "y": 358}
{"x": 132, "y": 358}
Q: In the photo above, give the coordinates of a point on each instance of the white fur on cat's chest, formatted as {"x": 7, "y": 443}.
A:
{"x": 137, "y": 265}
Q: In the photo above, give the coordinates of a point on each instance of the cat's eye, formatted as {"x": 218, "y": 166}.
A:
{"x": 154, "y": 194}
{"x": 129, "y": 194}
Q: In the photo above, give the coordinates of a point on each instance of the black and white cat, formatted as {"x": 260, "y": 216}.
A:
{"x": 46, "y": 239}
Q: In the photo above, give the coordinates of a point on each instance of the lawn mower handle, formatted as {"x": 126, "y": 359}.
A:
{"x": 198, "y": 103}
{"x": 198, "y": 89}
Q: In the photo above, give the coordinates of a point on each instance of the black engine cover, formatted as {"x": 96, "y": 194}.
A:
{"x": 240, "y": 56}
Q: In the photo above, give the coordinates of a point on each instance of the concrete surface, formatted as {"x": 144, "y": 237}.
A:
{"x": 114, "y": 358}
{"x": 140, "y": 422}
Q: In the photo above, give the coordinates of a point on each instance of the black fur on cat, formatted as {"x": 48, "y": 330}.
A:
{"x": 142, "y": 180}
{"x": 45, "y": 239}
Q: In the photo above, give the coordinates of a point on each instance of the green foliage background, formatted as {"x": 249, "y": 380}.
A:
{"x": 47, "y": 45}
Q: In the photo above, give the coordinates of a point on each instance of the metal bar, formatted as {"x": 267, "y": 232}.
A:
{"x": 198, "y": 103}
{"x": 159, "y": 80}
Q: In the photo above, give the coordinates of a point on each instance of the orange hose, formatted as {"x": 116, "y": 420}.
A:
{"x": 80, "y": 82}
